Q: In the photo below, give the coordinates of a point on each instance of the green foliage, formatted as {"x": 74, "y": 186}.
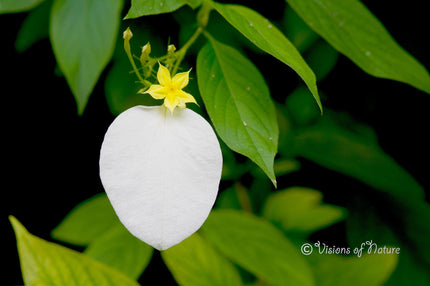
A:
{"x": 321, "y": 58}
{"x": 46, "y": 263}
{"x": 13, "y": 6}
{"x": 93, "y": 223}
{"x": 355, "y": 32}
{"x": 118, "y": 249}
{"x": 300, "y": 210}
{"x": 412, "y": 265}
{"x": 302, "y": 111}
{"x": 86, "y": 222}
{"x": 83, "y": 48}
{"x": 268, "y": 38}
{"x": 141, "y": 8}
{"x": 196, "y": 262}
{"x": 254, "y": 235}
{"x": 238, "y": 102}
{"x": 370, "y": 269}
{"x": 257, "y": 246}
{"x": 227, "y": 237}
{"x": 35, "y": 27}
{"x": 296, "y": 30}
{"x": 356, "y": 155}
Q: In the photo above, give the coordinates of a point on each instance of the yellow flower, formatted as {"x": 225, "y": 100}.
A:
{"x": 170, "y": 89}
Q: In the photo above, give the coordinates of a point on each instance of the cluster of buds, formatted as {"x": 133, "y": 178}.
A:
{"x": 169, "y": 85}
{"x": 145, "y": 59}
{"x": 146, "y": 72}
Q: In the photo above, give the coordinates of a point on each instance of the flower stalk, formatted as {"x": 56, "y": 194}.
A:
{"x": 127, "y": 35}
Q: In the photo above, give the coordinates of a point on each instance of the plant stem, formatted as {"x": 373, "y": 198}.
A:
{"x": 133, "y": 64}
{"x": 181, "y": 53}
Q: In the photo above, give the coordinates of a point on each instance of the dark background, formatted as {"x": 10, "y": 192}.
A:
{"x": 50, "y": 154}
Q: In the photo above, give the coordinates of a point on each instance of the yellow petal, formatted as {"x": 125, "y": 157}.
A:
{"x": 171, "y": 103}
{"x": 163, "y": 75}
{"x": 180, "y": 80}
{"x": 157, "y": 91}
{"x": 185, "y": 97}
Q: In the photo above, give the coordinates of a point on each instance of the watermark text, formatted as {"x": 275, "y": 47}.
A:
{"x": 368, "y": 247}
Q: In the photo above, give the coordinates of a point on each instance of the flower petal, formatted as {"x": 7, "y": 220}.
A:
{"x": 185, "y": 97}
{"x": 163, "y": 75}
{"x": 171, "y": 102}
{"x": 157, "y": 91}
{"x": 180, "y": 80}
{"x": 161, "y": 172}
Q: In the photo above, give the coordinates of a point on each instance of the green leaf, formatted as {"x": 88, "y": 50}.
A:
{"x": 93, "y": 223}
{"x": 13, "y": 6}
{"x": 301, "y": 210}
{"x": 141, "y": 8}
{"x": 87, "y": 221}
{"x": 357, "y": 156}
{"x": 302, "y": 109}
{"x": 228, "y": 199}
{"x": 257, "y": 246}
{"x": 370, "y": 270}
{"x": 321, "y": 58}
{"x": 195, "y": 262}
{"x": 300, "y": 35}
{"x": 409, "y": 270}
{"x": 34, "y": 28}
{"x": 219, "y": 28}
{"x": 268, "y": 38}
{"x": 355, "y": 32}
{"x": 194, "y": 3}
{"x": 231, "y": 169}
{"x": 285, "y": 166}
{"x": 406, "y": 228}
{"x": 83, "y": 34}
{"x": 119, "y": 249}
{"x": 46, "y": 263}
{"x": 239, "y": 104}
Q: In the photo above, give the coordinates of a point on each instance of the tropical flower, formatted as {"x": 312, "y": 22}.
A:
{"x": 170, "y": 89}
{"x": 161, "y": 170}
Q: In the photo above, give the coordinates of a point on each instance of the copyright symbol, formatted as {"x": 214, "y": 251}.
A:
{"x": 306, "y": 249}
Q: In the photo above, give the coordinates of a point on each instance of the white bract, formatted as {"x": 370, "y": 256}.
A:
{"x": 161, "y": 171}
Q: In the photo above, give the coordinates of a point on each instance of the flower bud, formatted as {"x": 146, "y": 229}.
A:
{"x": 127, "y": 35}
{"x": 146, "y": 50}
{"x": 171, "y": 49}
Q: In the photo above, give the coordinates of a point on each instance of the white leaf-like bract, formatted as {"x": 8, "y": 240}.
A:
{"x": 161, "y": 172}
